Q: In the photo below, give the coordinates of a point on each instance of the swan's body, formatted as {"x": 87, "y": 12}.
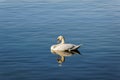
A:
{"x": 64, "y": 46}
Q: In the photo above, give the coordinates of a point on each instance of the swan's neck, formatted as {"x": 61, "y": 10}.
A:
{"x": 62, "y": 58}
{"x": 63, "y": 41}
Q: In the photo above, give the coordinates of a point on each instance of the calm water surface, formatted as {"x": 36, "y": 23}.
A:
{"x": 29, "y": 27}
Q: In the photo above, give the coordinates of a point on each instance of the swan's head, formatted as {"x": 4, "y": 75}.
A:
{"x": 61, "y": 59}
{"x": 60, "y": 38}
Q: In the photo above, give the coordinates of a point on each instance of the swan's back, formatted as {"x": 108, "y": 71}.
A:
{"x": 65, "y": 47}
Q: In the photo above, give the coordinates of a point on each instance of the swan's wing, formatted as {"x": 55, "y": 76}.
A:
{"x": 66, "y": 47}
{"x": 75, "y": 47}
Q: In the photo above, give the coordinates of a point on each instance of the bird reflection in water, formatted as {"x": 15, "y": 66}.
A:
{"x": 63, "y": 54}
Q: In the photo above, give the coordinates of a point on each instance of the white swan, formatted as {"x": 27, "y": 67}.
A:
{"x": 64, "y": 46}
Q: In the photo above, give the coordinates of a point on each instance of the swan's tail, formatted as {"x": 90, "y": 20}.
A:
{"x": 76, "y": 47}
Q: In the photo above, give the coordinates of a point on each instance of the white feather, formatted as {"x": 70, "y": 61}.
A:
{"x": 63, "y": 46}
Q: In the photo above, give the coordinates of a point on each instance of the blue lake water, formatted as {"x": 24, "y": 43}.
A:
{"x": 29, "y": 27}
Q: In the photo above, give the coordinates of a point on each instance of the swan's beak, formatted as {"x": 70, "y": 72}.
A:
{"x": 58, "y": 41}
